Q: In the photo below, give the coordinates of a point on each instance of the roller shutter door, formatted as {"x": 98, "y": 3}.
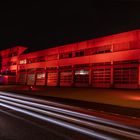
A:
{"x": 52, "y": 79}
{"x": 81, "y": 78}
{"x": 101, "y": 77}
{"x": 22, "y": 78}
{"x": 30, "y": 79}
{"x": 126, "y": 77}
{"x": 66, "y": 78}
{"x": 40, "y": 79}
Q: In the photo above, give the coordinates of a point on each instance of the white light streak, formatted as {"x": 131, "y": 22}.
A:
{"x": 60, "y": 123}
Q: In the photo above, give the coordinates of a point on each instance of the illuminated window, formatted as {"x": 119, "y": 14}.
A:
{"x": 40, "y": 75}
{"x": 81, "y": 72}
{"x": 24, "y": 61}
{"x": 81, "y": 77}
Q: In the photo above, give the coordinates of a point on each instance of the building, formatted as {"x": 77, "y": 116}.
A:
{"x": 107, "y": 62}
{"x": 9, "y": 64}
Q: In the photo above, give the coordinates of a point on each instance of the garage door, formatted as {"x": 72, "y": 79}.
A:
{"x": 30, "y": 79}
{"x": 66, "y": 78}
{"x": 81, "y": 78}
{"x": 40, "y": 78}
{"x": 22, "y": 78}
{"x": 101, "y": 77}
{"x": 52, "y": 79}
{"x": 126, "y": 77}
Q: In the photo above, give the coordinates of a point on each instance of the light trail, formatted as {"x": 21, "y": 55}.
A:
{"x": 76, "y": 121}
{"x": 60, "y": 123}
{"x": 60, "y": 108}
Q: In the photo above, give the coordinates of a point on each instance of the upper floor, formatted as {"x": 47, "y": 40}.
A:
{"x": 103, "y": 45}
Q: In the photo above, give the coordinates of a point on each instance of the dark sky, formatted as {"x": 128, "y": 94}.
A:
{"x": 43, "y": 25}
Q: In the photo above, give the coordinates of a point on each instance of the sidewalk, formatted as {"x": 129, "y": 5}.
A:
{"x": 119, "y": 97}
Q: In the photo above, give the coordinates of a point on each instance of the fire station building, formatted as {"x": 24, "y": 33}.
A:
{"x": 107, "y": 62}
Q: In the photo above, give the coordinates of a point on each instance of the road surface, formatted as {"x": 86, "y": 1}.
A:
{"x": 28, "y": 118}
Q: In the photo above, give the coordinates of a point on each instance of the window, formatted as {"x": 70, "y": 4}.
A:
{"x": 103, "y": 49}
{"x": 22, "y": 70}
{"x": 98, "y": 50}
{"x": 81, "y": 77}
{"x": 65, "y": 67}
{"x": 40, "y": 59}
{"x": 52, "y": 57}
{"x": 11, "y": 63}
{"x": 14, "y": 53}
{"x": 81, "y": 72}
{"x": 14, "y": 63}
{"x": 40, "y": 75}
{"x": 81, "y": 65}
{"x": 24, "y": 61}
{"x": 102, "y": 64}
{"x": 31, "y": 60}
{"x": 51, "y": 68}
{"x": 79, "y": 53}
{"x": 31, "y": 70}
{"x": 66, "y": 55}
{"x": 126, "y": 62}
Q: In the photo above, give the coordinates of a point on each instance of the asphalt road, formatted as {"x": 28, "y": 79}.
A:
{"x": 26, "y": 118}
{"x": 17, "y": 126}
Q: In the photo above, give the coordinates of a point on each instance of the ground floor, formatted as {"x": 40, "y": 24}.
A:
{"x": 120, "y": 74}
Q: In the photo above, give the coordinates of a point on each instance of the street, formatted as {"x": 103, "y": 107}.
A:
{"x": 22, "y": 117}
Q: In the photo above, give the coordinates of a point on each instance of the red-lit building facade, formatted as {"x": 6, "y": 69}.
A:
{"x": 9, "y": 64}
{"x": 107, "y": 62}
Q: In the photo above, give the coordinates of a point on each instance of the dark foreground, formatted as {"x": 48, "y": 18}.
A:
{"x": 28, "y": 118}
{"x": 16, "y": 126}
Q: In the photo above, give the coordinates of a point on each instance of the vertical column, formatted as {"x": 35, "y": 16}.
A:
{"x": 138, "y": 75}
{"x": 35, "y": 77}
{"x": 58, "y": 76}
{"x": 112, "y": 70}
{"x": 46, "y": 76}
{"x": 17, "y": 74}
{"x": 112, "y": 75}
{"x": 90, "y": 76}
{"x": 73, "y": 76}
{"x": 26, "y": 68}
{"x": 26, "y": 78}
{"x": 112, "y": 48}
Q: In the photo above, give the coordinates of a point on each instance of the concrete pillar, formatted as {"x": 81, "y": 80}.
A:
{"x": 35, "y": 77}
{"x": 73, "y": 76}
{"x": 138, "y": 75}
{"x": 90, "y": 77}
{"x": 26, "y": 78}
{"x": 112, "y": 75}
{"x": 46, "y": 76}
{"x": 112, "y": 48}
{"x": 17, "y": 74}
{"x": 58, "y": 77}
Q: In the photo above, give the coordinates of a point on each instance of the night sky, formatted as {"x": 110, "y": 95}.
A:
{"x": 43, "y": 25}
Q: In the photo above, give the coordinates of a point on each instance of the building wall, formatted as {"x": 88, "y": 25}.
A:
{"x": 9, "y": 64}
{"x": 106, "y": 62}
